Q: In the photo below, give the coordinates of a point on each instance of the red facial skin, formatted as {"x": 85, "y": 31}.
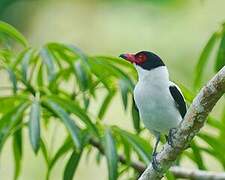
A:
{"x": 135, "y": 58}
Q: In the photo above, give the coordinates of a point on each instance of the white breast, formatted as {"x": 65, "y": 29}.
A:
{"x": 155, "y": 103}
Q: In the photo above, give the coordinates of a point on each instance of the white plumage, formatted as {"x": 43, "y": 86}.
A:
{"x": 154, "y": 101}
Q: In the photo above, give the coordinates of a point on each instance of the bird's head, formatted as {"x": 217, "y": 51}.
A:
{"x": 145, "y": 60}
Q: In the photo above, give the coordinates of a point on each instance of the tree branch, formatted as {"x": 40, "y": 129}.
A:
{"x": 180, "y": 172}
{"x": 193, "y": 121}
{"x": 177, "y": 171}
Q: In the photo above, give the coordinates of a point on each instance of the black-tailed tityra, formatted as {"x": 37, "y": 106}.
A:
{"x": 160, "y": 102}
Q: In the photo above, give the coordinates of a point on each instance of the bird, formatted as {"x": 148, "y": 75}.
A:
{"x": 160, "y": 102}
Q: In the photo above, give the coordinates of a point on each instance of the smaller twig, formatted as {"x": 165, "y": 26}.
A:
{"x": 196, "y": 174}
{"x": 179, "y": 172}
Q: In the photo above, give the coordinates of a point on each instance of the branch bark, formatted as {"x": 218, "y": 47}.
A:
{"x": 193, "y": 121}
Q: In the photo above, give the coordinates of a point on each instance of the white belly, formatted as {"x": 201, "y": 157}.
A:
{"x": 156, "y": 107}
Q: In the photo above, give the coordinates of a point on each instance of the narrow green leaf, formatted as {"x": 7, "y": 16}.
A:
{"x": 25, "y": 62}
{"x": 142, "y": 148}
{"x": 73, "y": 162}
{"x": 7, "y": 102}
{"x": 78, "y": 52}
{"x": 197, "y": 156}
{"x": 71, "y": 165}
{"x": 13, "y": 33}
{"x": 34, "y": 125}
{"x": 74, "y": 108}
{"x": 204, "y": 58}
{"x": 17, "y": 151}
{"x": 81, "y": 75}
{"x": 65, "y": 147}
{"x": 44, "y": 151}
{"x": 40, "y": 76}
{"x": 68, "y": 122}
{"x": 218, "y": 147}
{"x": 220, "y": 60}
{"x": 127, "y": 149}
{"x": 13, "y": 79}
{"x": 111, "y": 155}
{"x": 49, "y": 62}
{"x": 9, "y": 120}
{"x": 106, "y": 103}
{"x": 170, "y": 176}
{"x": 124, "y": 92}
{"x": 135, "y": 117}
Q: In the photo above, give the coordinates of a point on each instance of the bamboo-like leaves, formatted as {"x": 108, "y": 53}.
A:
{"x": 9, "y": 120}
{"x": 13, "y": 79}
{"x": 142, "y": 148}
{"x": 220, "y": 60}
{"x": 34, "y": 124}
{"x": 67, "y": 121}
{"x": 204, "y": 58}
{"x": 49, "y": 62}
{"x": 124, "y": 88}
{"x": 71, "y": 165}
{"x": 135, "y": 116}
{"x": 74, "y": 108}
{"x": 17, "y": 151}
{"x": 13, "y": 33}
{"x": 111, "y": 155}
{"x": 105, "y": 103}
{"x": 25, "y": 60}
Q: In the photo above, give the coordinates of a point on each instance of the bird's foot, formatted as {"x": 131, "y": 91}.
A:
{"x": 171, "y": 136}
{"x": 155, "y": 163}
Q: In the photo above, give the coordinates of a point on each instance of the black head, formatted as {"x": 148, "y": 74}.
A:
{"x": 145, "y": 59}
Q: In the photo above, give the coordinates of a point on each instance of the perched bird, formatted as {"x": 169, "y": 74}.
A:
{"x": 160, "y": 102}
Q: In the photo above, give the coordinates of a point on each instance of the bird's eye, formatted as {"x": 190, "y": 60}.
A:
{"x": 141, "y": 57}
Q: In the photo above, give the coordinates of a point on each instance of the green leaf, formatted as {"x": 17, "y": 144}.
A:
{"x": 220, "y": 60}
{"x": 26, "y": 58}
{"x": 13, "y": 33}
{"x": 135, "y": 117}
{"x": 68, "y": 122}
{"x": 81, "y": 75}
{"x": 17, "y": 151}
{"x": 169, "y": 175}
{"x": 9, "y": 120}
{"x": 124, "y": 92}
{"x": 66, "y": 146}
{"x": 111, "y": 155}
{"x": 78, "y": 52}
{"x": 48, "y": 60}
{"x": 204, "y": 57}
{"x": 142, "y": 147}
{"x": 73, "y": 162}
{"x": 74, "y": 108}
{"x": 40, "y": 76}
{"x": 7, "y": 102}
{"x": 34, "y": 124}
{"x": 13, "y": 79}
{"x": 197, "y": 156}
{"x": 44, "y": 151}
{"x": 106, "y": 104}
{"x": 71, "y": 165}
{"x": 218, "y": 147}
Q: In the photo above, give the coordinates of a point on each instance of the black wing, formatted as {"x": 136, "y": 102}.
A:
{"x": 179, "y": 99}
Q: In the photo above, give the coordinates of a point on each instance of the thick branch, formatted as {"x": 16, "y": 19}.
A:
{"x": 193, "y": 121}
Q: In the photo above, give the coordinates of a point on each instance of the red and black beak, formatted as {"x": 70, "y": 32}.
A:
{"x": 129, "y": 57}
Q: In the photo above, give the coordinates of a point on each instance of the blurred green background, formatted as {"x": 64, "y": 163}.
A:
{"x": 176, "y": 30}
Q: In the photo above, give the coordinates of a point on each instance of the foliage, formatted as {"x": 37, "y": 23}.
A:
{"x": 38, "y": 95}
